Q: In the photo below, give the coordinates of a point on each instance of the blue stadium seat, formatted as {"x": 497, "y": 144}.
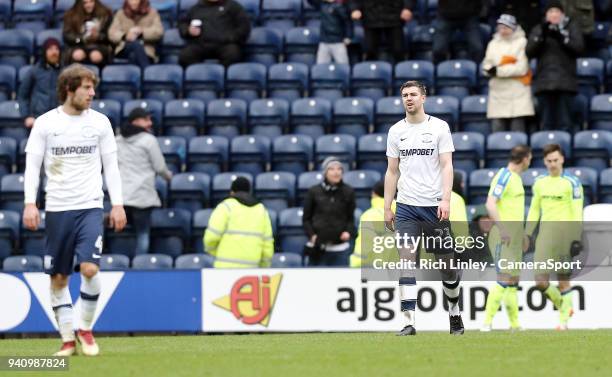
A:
{"x": 273, "y": 220}
{"x": 16, "y": 47}
{"x": 541, "y": 138}
{"x": 362, "y": 181}
{"x": 171, "y": 45}
{"x": 222, "y": 182}
{"x": 5, "y": 13}
{"x": 341, "y": 146}
{"x": 588, "y": 178}
{"x": 184, "y": 117}
{"x": 226, "y": 117}
{"x": 174, "y": 149}
{"x": 311, "y": 116}
{"x": 605, "y": 186}
{"x": 286, "y": 260}
{"x": 264, "y": 46}
{"x": 268, "y": 117}
{"x": 114, "y": 262}
{"x": 475, "y": 210}
{"x": 329, "y": 81}
{"x": 250, "y": 153}
{"x": 280, "y": 14}
{"x": 499, "y": 145}
{"x": 153, "y": 106}
{"x": 208, "y": 154}
{"x": 170, "y": 231}
{"x": 371, "y": 79}
{"x": 204, "y": 81}
{"x": 474, "y": 115}
{"x": 529, "y": 177}
{"x": 590, "y": 72}
{"x": 168, "y": 11}
{"x": 120, "y": 243}
{"x": 185, "y": 5}
{"x": 114, "y": 5}
{"x": 11, "y": 121}
{"x": 276, "y": 190}
{"x": 593, "y": 149}
{"x": 190, "y": 191}
{"x": 469, "y": 150}
{"x": 420, "y": 70}
{"x": 292, "y": 153}
{"x": 253, "y": 8}
{"x": 161, "y": 186}
{"x": 33, "y": 242}
{"x": 11, "y": 192}
{"x": 23, "y": 263}
{"x": 291, "y": 235}
{"x": 120, "y": 82}
{"x": 445, "y": 108}
{"x": 8, "y": 155}
{"x": 163, "y": 82}
{"x": 199, "y": 224}
{"x": 421, "y": 41}
{"x": 21, "y": 156}
{"x": 601, "y": 112}
{"x": 9, "y": 232}
{"x": 480, "y": 181}
{"x": 305, "y": 181}
{"x": 61, "y": 6}
{"x": 194, "y": 261}
{"x": 456, "y": 78}
{"x": 110, "y": 108}
{"x": 32, "y": 15}
{"x": 353, "y": 115}
{"x": 246, "y": 81}
{"x": 609, "y": 76}
{"x": 152, "y": 262}
{"x": 287, "y": 80}
{"x": 389, "y": 110}
{"x": 301, "y": 45}
{"x": 8, "y": 81}
{"x": 371, "y": 152}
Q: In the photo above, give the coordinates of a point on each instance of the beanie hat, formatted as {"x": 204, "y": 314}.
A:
{"x": 241, "y": 184}
{"x": 553, "y": 4}
{"x": 51, "y": 42}
{"x": 507, "y": 20}
{"x": 329, "y": 161}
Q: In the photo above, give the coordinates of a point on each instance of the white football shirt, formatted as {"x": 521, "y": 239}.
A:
{"x": 71, "y": 146}
{"x": 418, "y": 147}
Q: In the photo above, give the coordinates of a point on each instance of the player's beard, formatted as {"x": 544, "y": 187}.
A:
{"x": 79, "y": 105}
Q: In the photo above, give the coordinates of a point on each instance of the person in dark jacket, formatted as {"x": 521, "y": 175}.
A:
{"x": 328, "y": 217}
{"x": 383, "y": 19}
{"x": 456, "y": 15}
{"x": 86, "y": 33}
{"x": 336, "y": 31}
{"x": 214, "y": 29}
{"x": 37, "y": 92}
{"x": 556, "y": 43}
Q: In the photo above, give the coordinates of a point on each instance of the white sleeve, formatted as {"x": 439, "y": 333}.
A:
{"x": 112, "y": 178}
{"x": 31, "y": 177}
{"x": 37, "y": 141}
{"x": 445, "y": 141}
{"x": 392, "y": 147}
{"x": 107, "y": 139}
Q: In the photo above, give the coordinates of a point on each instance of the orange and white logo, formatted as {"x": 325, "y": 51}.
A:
{"x": 252, "y": 299}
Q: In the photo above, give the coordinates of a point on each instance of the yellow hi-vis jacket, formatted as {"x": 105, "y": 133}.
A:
{"x": 458, "y": 216}
{"x": 239, "y": 236}
{"x": 374, "y": 217}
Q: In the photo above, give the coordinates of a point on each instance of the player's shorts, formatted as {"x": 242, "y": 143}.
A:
{"x": 73, "y": 233}
{"x": 553, "y": 243}
{"x": 413, "y": 222}
{"x": 512, "y": 252}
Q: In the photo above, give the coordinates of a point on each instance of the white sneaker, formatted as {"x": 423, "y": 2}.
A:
{"x": 68, "y": 349}
{"x": 88, "y": 343}
{"x": 486, "y": 328}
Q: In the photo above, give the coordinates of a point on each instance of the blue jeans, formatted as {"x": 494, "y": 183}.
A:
{"x": 135, "y": 52}
{"x": 140, "y": 220}
{"x": 444, "y": 33}
{"x": 332, "y": 259}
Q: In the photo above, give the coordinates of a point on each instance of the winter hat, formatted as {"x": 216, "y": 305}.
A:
{"x": 329, "y": 161}
{"x": 51, "y": 42}
{"x": 507, "y": 20}
{"x": 241, "y": 184}
{"x": 553, "y": 4}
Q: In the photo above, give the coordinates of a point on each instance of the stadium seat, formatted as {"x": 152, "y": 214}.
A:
{"x": 474, "y": 211}
{"x": 153, "y": 106}
{"x": 33, "y": 242}
{"x": 184, "y": 117}
{"x": 588, "y": 178}
{"x": 420, "y": 70}
{"x": 362, "y": 181}
{"x": 152, "y": 262}
{"x": 445, "y": 108}
{"x": 291, "y": 235}
{"x": 353, "y": 116}
{"x": 34, "y": 15}
{"x": 16, "y": 47}
{"x": 8, "y": 155}
{"x": 185, "y": 5}
{"x": 222, "y": 182}
{"x": 590, "y": 72}
{"x": 341, "y": 146}
{"x": 194, "y": 261}
{"x": 120, "y": 82}
{"x": 21, "y": 156}
{"x": 268, "y": 117}
{"x": 600, "y": 116}
{"x": 245, "y": 81}
{"x": 605, "y": 186}
{"x": 8, "y": 81}
{"x": 163, "y": 82}
{"x": 329, "y": 81}
{"x": 250, "y": 153}
{"x": 539, "y": 139}
{"x": 120, "y": 243}
{"x": 301, "y": 45}
{"x": 311, "y": 116}
{"x": 171, "y": 45}
{"x": 174, "y": 149}
{"x": 5, "y": 13}
{"x": 286, "y": 260}
{"x": 593, "y": 149}
{"x": 161, "y": 186}
{"x": 469, "y": 150}
{"x": 287, "y": 80}
{"x": 204, "y": 81}
{"x": 371, "y": 79}
{"x": 292, "y": 153}
{"x": 264, "y": 46}
{"x": 226, "y": 117}
{"x": 280, "y": 14}
{"x": 168, "y": 11}
{"x": 190, "y": 191}
{"x": 198, "y": 227}
{"x": 9, "y": 232}
{"x": 609, "y": 76}
{"x": 499, "y": 145}
{"x": 529, "y": 177}
{"x": 170, "y": 231}
{"x": 276, "y": 190}
{"x": 208, "y": 154}
{"x": 456, "y": 78}
{"x": 371, "y": 152}
{"x": 110, "y": 108}
{"x": 11, "y": 121}
{"x": 389, "y": 110}
{"x": 474, "y": 115}
{"x": 305, "y": 181}
{"x": 421, "y": 40}
{"x": 311, "y": 15}
{"x": 114, "y": 262}
{"x": 11, "y": 192}
{"x": 23, "y": 263}
{"x": 480, "y": 180}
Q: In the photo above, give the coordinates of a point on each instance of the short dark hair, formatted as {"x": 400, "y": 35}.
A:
{"x": 518, "y": 153}
{"x": 71, "y": 78}
{"x": 552, "y": 148}
{"x": 408, "y": 84}
{"x": 379, "y": 188}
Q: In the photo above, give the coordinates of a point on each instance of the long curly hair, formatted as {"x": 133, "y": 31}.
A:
{"x": 76, "y": 16}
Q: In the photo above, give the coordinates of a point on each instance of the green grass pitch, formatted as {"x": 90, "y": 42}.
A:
{"x": 495, "y": 354}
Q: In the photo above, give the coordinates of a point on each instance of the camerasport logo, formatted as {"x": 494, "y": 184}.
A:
{"x": 252, "y": 299}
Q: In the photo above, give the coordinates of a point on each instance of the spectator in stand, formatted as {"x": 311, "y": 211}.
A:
{"x": 583, "y": 13}
{"x": 383, "y": 19}
{"x": 506, "y": 64}
{"x": 37, "y": 92}
{"x": 527, "y": 12}
{"x": 135, "y": 30}
{"x": 328, "y": 217}
{"x": 336, "y": 31}
{"x": 140, "y": 160}
{"x": 456, "y": 15}
{"x": 555, "y": 43}
{"x": 214, "y": 29}
{"x": 86, "y": 33}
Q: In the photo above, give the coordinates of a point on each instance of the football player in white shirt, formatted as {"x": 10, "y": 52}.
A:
{"x": 74, "y": 142}
{"x": 420, "y": 169}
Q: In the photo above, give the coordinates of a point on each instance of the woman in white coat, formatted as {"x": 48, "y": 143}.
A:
{"x": 507, "y": 66}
